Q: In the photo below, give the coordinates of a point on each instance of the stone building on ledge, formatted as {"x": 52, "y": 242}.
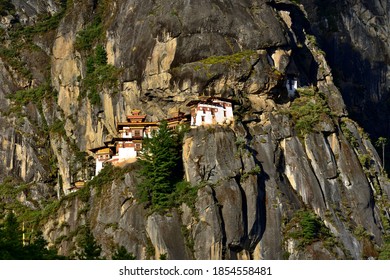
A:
{"x": 127, "y": 145}
{"x": 210, "y": 111}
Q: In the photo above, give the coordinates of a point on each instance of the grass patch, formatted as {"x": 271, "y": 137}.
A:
{"x": 58, "y": 127}
{"x": 231, "y": 60}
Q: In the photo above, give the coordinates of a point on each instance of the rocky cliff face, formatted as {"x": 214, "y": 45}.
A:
{"x": 281, "y": 165}
{"x": 354, "y": 36}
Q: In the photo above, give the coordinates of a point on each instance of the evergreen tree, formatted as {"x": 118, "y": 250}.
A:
{"x": 11, "y": 244}
{"x": 89, "y": 248}
{"x": 37, "y": 249}
{"x": 122, "y": 254}
{"x": 160, "y": 167}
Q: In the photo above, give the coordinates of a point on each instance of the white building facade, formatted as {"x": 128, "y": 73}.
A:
{"x": 102, "y": 155}
{"x": 211, "y": 111}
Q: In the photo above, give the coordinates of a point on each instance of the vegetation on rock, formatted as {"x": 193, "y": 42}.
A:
{"x": 306, "y": 227}
{"x": 230, "y": 60}
{"x": 308, "y": 110}
{"x": 99, "y": 75}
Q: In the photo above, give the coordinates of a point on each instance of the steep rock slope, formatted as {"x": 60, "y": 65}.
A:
{"x": 354, "y": 35}
{"x": 281, "y": 163}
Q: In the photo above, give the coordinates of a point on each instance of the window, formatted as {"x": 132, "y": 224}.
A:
{"x": 202, "y": 118}
{"x": 137, "y": 133}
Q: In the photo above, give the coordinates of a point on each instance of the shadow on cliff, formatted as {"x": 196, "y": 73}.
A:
{"x": 258, "y": 228}
{"x": 362, "y": 84}
{"x": 301, "y": 55}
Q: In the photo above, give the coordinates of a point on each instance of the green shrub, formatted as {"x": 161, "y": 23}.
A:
{"x": 34, "y": 95}
{"x": 100, "y": 55}
{"x": 99, "y": 75}
{"x": 385, "y": 250}
{"x": 6, "y": 7}
{"x": 308, "y": 110}
{"x": 50, "y": 208}
{"x": 105, "y": 176}
{"x": 306, "y": 227}
{"x": 87, "y": 37}
{"x": 310, "y": 225}
{"x": 58, "y": 127}
{"x": 349, "y": 135}
{"x": 365, "y": 160}
{"x": 121, "y": 253}
{"x": 89, "y": 249}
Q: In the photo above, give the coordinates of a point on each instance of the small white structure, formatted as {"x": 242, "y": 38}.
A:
{"x": 291, "y": 85}
{"x": 211, "y": 111}
{"x": 103, "y": 154}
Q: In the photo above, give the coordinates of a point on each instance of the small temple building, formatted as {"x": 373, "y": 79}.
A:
{"x": 292, "y": 79}
{"x": 291, "y": 85}
{"x": 211, "y": 111}
{"x": 76, "y": 186}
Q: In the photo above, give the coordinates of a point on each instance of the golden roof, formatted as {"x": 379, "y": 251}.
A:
{"x": 79, "y": 184}
{"x": 103, "y": 151}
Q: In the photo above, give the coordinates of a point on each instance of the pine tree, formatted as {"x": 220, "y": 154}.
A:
{"x": 11, "y": 244}
{"x": 122, "y": 254}
{"x": 160, "y": 167}
{"x": 37, "y": 249}
{"x": 89, "y": 248}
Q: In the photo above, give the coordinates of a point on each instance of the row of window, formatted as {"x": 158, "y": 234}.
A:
{"x": 216, "y": 110}
{"x": 136, "y": 133}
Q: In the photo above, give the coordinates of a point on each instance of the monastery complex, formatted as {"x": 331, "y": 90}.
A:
{"x": 127, "y": 145}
